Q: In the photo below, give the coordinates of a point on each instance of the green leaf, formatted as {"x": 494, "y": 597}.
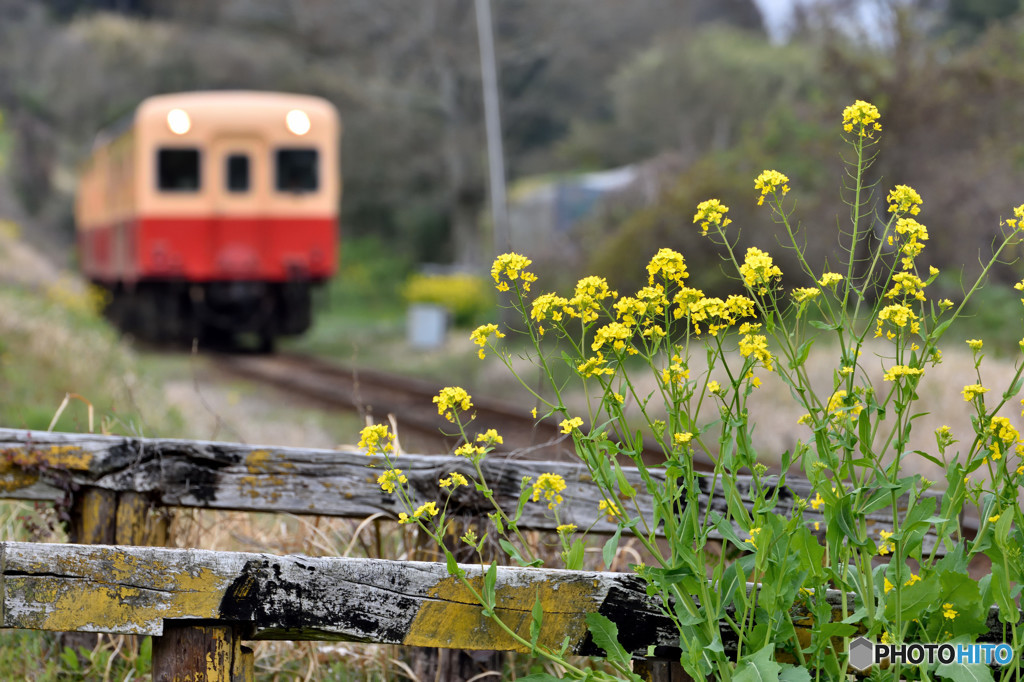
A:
{"x": 606, "y": 636}
{"x": 801, "y": 354}
{"x": 608, "y": 553}
{"x": 1008, "y": 612}
{"x": 537, "y": 616}
{"x": 627, "y": 491}
{"x": 959, "y": 672}
{"x": 791, "y": 673}
{"x": 490, "y": 579}
{"x": 574, "y": 557}
{"x": 453, "y": 565}
{"x": 758, "y": 667}
{"x": 824, "y": 326}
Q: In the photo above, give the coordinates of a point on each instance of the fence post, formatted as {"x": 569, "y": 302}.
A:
{"x": 660, "y": 671}
{"x": 191, "y": 652}
{"x": 136, "y": 524}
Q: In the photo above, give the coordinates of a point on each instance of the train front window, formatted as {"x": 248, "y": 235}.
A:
{"x": 178, "y": 170}
{"x": 297, "y": 170}
{"x": 238, "y": 173}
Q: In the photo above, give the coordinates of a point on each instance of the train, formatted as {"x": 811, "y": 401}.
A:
{"x": 213, "y": 215}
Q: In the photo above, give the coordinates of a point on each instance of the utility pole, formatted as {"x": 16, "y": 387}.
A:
{"x": 492, "y": 119}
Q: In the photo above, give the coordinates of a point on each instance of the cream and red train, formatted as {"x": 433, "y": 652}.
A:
{"x": 213, "y": 213}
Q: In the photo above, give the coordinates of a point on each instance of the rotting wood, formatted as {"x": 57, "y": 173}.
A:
{"x": 232, "y": 476}
{"x": 139, "y": 590}
{"x": 194, "y": 652}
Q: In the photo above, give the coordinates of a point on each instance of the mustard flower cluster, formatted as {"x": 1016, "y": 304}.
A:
{"x": 840, "y": 404}
{"x": 481, "y": 334}
{"x": 490, "y": 438}
{"x": 669, "y": 264}
{"x": 586, "y": 301}
{"x": 906, "y": 285}
{"x": 595, "y": 366}
{"x": 803, "y": 294}
{"x": 756, "y": 345}
{"x": 450, "y": 399}
{"x": 758, "y": 270}
{"x": 454, "y": 480}
{"x": 509, "y": 267}
{"x": 770, "y": 182}
{"x": 377, "y": 439}
{"x": 390, "y": 478}
{"x": 1004, "y": 436}
{"x": 676, "y": 373}
{"x": 614, "y": 334}
{"x": 975, "y": 344}
{"x": 711, "y": 212}
{"x": 904, "y": 199}
{"x": 549, "y": 485}
{"x": 568, "y": 425}
{"x": 830, "y": 279}
{"x": 900, "y": 316}
{"x": 863, "y": 117}
{"x": 972, "y": 391}
{"x": 897, "y": 371}
{"x": 915, "y": 235}
{"x": 716, "y": 313}
{"x": 610, "y": 508}
{"x": 886, "y": 546}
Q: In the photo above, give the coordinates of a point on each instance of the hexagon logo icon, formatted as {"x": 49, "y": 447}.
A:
{"x": 861, "y": 653}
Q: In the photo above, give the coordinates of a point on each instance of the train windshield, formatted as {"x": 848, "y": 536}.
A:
{"x": 297, "y": 170}
{"x": 178, "y": 170}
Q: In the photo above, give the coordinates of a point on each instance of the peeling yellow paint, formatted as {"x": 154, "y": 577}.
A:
{"x": 13, "y": 477}
{"x": 56, "y": 456}
{"x": 265, "y": 461}
{"x": 455, "y": 618}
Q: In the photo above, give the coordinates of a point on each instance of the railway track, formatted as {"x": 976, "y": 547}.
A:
{"x": 408, "y": 402}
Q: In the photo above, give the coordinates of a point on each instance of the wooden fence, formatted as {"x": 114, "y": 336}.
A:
{"x": 200, "y": 605}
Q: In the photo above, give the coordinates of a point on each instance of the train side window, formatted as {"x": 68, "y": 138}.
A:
{"x": 297, "y": 170}
{"x": 178, "y": 170}
{"x": 238, "y": 173}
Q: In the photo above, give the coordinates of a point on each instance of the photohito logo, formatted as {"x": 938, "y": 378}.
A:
{"x": 864, "y": 653}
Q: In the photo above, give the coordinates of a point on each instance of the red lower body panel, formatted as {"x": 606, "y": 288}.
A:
{"x": 267, "y": 249}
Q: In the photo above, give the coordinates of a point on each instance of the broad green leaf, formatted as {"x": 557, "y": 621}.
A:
{"x": 758, "y": 667}
{"x": 971, "y": 672}
{"x": 606, "y": 636}
{"x": 791, "y": 673}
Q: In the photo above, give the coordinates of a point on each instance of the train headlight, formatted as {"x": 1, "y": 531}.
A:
{"x": 297, "y": 121}
{"x": 178, "y": 121}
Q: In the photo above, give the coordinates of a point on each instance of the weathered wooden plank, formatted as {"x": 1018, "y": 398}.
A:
{"x": 324, "y": 482}
{"x": 142, "y": 590}
{"x": 139, "y": 590}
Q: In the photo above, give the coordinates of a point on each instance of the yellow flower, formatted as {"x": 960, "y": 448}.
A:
{"x": 711, "y": 212}
{"x": 404, "y": 518}
{"x": 754, "y": 532}
{"x": 886, "y": 546}
{"x": 887, "y": 586}
{"x": 566, "y": 528}
{"x": 682, "y": 438}
{"x": 839, "y": 404}
{"x": 770, "y": 182}
{"x": 670, "y": 264}
{"x": 1018, "y": 216}
{"x": 897, "y": 371}
{"x": 389, "y": 478}
{"x": 675, "y": 373}
{"x": 993, "y": 518}
{"x": 907, "y": 285}
{"x": 904, "y": 199}
{"x": 509, "y": 267}
{"x": 568, "y": 425}
{"x": 470, "y": 450}
{"x": 974, "y": 344}
{"x": 756, "y": 345}
{"x": 614, "y": 333}
{"x": 830, "y": 279}
{"x": 586, "y": 301}
{"x": 376, "y": 439}
{"x": 948, "y": 612}
{"x": 595, "y": 366}
{"x": 945, "y": 303}
{"x": 428, "y": 510}
{"x": 817, "y": 502}
{"x": 972, "y": 391}
{"x": 480, "y": 335}
{"x": 863, "y": 117}
{"x": 490, "y": 437}
{"x": 454, "y": 480}
{"x": 549, "y": 306}
{"x": 611, "y": 509}
{"x": 533, "y": 412}
{"x": 450, "y": 399}
{"x": 549, "y": 485}
{"x": 758, "y": 270}
{"x": 714, "y": 387}
{"x": 802, "y": 294}
{"x": 914, "y": 578}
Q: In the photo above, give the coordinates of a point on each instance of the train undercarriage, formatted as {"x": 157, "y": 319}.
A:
{"x": 221, "y": 314}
